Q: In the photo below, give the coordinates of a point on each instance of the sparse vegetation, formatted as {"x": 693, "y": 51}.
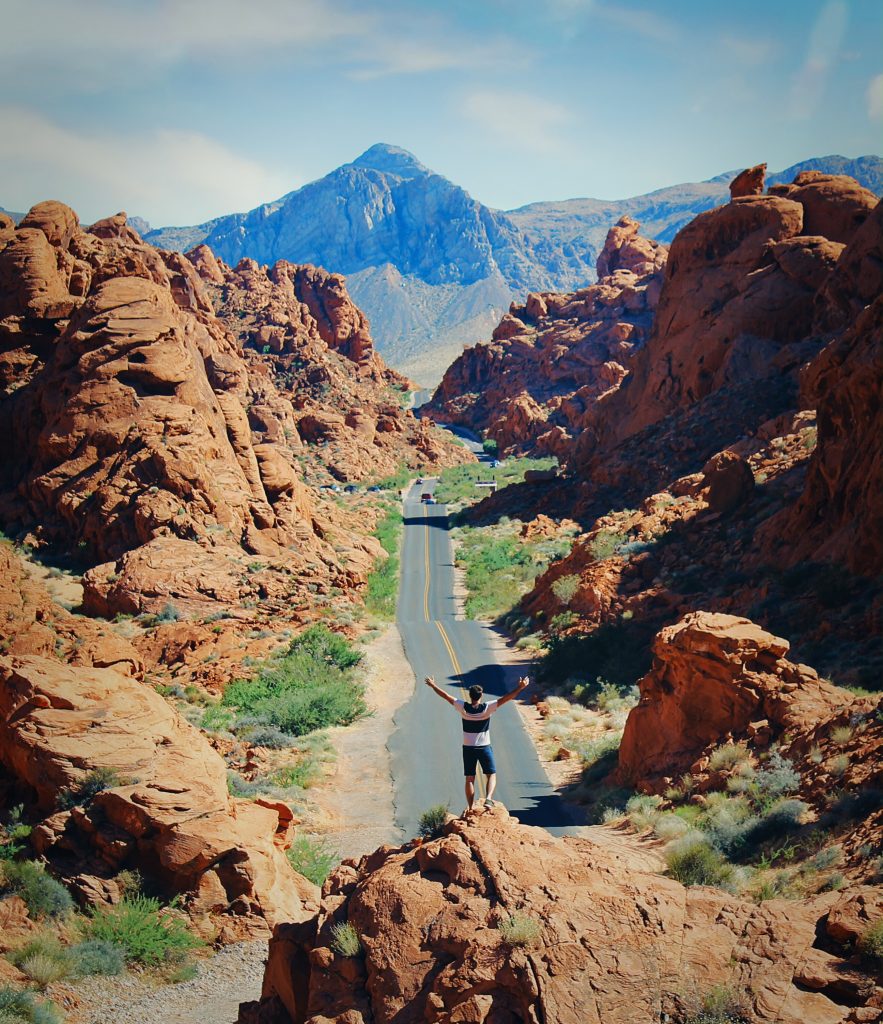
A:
{"x": 719, "y": 1005}
{"x": 309, "y": 687}
{"x": 139, "y": 925}
{"x": 17, "y": 1006}
{"x": 345, "y": 939}
{"x": 94, "y": 782}
{"x": 456, "y": 485}
{"x": 383, "y": 583}
{"x": 13, "y": 832}
{"x": 432, "y": 821}
{"x": 565, "y": 588}
{"x": 311, "y": 857}
{"x": 42, "y": 894}
{"x": 519, "y": 929}
{"x": 871, "y": 943}
{"x": 728, "y": 756}
{"x": 693, "y": 861}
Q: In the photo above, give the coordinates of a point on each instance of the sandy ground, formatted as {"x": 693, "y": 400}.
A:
{"x": 356, "y": 808}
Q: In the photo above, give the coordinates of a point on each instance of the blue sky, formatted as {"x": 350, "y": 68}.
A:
{"x": 180, "y": 110}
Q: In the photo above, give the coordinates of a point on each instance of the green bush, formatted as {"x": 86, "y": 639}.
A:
{"x": 93, "y": 783}
{"x": 345, "y": 939}
{"x": 12, "y": 832}
{"x": 720, "y": 1005}
{"x": 692, "y": 861}
{"x": 145, "y": 934}
{"x": 308, "y": 688}
{"x": 170, "y": 613}
{"x": 617, "y": 652}
{"x": 311, "y": 857}
{"x": 43, "y": 970}
{"x": 42, "y": 894}
{"x": 18, "y": 1006}
{"x": 432, "y": 821}
{"x": 871, "y": 942}
{"x": 324, "y": 644}
{"x": 565, "y": 588}
{"x": 728, "y": 756}
{"x": 217, "y": 719}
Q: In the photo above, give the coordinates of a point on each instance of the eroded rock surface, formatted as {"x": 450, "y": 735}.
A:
{"x": 612, "y": 944}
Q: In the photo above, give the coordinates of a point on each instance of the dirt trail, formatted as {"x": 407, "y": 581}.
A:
{"x": 358, "y": 805}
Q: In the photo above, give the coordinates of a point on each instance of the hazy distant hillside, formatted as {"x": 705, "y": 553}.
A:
{"x": 433, "y": 268}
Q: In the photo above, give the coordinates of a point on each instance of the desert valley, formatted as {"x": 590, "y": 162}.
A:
{"x": 262, "y": 475}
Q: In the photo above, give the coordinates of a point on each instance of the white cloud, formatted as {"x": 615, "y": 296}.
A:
{"x": 409, "y": 55}
{"x": 521, "y": 119}
{"x": 875, "y": 98}
{"x": 168, "y": 177}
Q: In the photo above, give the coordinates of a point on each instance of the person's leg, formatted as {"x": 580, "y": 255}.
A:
{"x": 470, "y": 791}
{"x": 491, "y": 785}
{"x": 470, "y": 760}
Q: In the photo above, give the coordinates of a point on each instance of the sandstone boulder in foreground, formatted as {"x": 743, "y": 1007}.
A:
{"x": 613, "y": 945}
{"x": 168, "y": 813}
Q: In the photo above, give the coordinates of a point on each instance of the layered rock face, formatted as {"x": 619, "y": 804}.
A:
{"x": 550, "y": 360}
{"x": 737, "y": 316}
{"x": 160, "y": 440}
{"x": 611, "y": 944}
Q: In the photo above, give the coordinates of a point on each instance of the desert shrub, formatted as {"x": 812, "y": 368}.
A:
{"x": 92, "y": 784}
{"x": 383, "y": 582}
{"x": 606, "y": 543}
{"x": 692, "y": 861}
{"x": 839, "y": 765}
{"x": 841, "y": 734}
{"x": 257, "y": 732}
{"x": 432, "y": 821}
{"x": 345, "y": 939}
{"x": 519, "y": 929}
{"x": 311, "y": 857}
{"x": 727, "y": 756}
{"x": 302, "y": 774}
{"x": 490, "y": 447}
{"x": 643, "y": 811}
{"x": 720, "y": 1005}
{"x": 21, "y": 1006}
{"x": 42, "y": 894}
{"x": 825, "y": 859}
{"x": 43, "y": 970}
{"x": 217, "y": 719}
{"x": 304, "y": 690}
{"x": 563, "y": 620}
{"x": 170, "y": 613}
{"x": 97, "y": 956}
{"x": 670, "y": 826}
{"x": 777, "y": 778}
{"x": 565, "y": 588}
{"x": 138, "y": 925}
{"x": 871, "y": 942}
{"x": 12, "y": 833}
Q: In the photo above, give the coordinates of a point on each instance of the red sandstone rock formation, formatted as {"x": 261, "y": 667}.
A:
{"x": 158, "y": 438}
{"x": 714, "y": 677}
{"x": 613, "y": 945}
{"x": 550, "y": 360}
{"x": 170, "y": 815}
{"x": 749, "y": 182}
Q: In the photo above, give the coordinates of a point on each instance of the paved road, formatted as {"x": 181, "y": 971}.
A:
{"x": 427, "y": 766}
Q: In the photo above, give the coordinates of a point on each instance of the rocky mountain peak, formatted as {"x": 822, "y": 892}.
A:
{"x": 391, "y": 160}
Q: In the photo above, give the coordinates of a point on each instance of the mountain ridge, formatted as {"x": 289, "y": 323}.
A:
{"x": 406, "y": 236}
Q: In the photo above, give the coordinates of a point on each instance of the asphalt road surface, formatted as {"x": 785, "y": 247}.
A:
{"x": 425, "y": 747}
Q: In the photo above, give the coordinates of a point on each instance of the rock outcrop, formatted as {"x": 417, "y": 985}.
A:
{"x": 166, "y": 811}
{"x": 532, "y": 387}
{"x": 158, "y": 415}
{"x": 601, "y": 942}
{"x": 716, "y": 677}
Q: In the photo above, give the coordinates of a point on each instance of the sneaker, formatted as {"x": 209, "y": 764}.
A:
{"x": 489, "y": 803}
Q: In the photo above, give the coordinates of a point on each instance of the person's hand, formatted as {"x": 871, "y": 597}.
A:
{"x": 523, "y": 683}
{"x": 429, "y": 681}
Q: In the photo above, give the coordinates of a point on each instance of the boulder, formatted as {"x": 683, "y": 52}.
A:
{"x": 749, "y": 182}
{"x": 602, "y": 942}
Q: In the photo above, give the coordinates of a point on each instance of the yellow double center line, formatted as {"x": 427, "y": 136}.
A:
{"x": 458, "y": 672}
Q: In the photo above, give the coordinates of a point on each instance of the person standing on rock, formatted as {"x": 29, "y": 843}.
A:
{"x": 477, "y": 749}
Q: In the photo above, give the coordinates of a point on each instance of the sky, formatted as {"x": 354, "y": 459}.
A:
{"x": 183, "y": 110}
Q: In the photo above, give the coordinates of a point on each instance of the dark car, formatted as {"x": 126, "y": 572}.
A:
{"x": 351, "y": 488}
{"x": 374, "y": 487}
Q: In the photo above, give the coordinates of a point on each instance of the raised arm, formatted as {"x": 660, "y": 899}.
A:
{"x": 430, "y": 682}
{"x": 522, "y": 685}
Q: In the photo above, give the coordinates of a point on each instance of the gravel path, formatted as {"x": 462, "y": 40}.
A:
{"x": 224, "y": 981}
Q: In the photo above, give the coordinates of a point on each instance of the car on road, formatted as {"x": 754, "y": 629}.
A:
{"x": 351, "y": 488}
{"x": 427, "y": 498}
{"x": 419, "y": 479}
{"x": 374, "y": 488}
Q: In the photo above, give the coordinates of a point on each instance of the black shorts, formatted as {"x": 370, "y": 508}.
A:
{"x": 479, "y": 755}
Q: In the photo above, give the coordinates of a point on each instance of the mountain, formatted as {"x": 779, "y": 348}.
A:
{"x": 432, "y": 267}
